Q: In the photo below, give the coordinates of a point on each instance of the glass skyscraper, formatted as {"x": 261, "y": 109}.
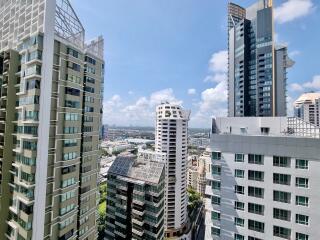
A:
{"x": 257, "y": 68}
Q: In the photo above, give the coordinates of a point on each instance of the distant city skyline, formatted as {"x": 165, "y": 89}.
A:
{"x": 154, "y": 54}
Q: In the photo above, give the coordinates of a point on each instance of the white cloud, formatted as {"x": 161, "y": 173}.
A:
{"x": 213, "y": 101}
{"x": 192, "y": 91}
{"x": 294, "y": 53}
{"x": 296, "y": 87}
{"x": 219, "y": 62}
{"x": 140, "y": 113}
{"x": 218, "y": 67}
{"x": 314, "y": 83}
{"x": 213, "y": 104}
{"x": 292, "y": 9}
{"x": 290, "y": 103}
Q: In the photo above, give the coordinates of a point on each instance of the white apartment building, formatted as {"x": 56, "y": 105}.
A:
{"x": 307, "y": 107}
{"x": 264, "y": 178}
{"x": 197, "y": 174}
{"x": 172, "y": 139}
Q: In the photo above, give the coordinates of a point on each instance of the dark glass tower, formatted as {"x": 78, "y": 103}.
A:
{"x": 257, "y": 71}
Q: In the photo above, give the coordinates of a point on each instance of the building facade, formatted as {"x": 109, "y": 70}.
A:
{"x": 263, "y": 179}
{"x": 257, "y": 68}
{"x": 172, "y": 140}
{"x": 135, "y": 199}
{"x": 307, "y": 107}
{"x": 50, "y": 120}
{"x": 197, "y": 174}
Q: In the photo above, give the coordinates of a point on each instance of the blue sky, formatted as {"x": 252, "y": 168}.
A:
{"x": 158, "y": 50}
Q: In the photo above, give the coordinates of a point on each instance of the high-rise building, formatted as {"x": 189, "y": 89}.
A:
{"x": 135, "y": 199}
{"x": 257, "y": 68}
{"x": 172, "y": 139}
{"x": 263, "y": 179}
{"x": 307, "y": 107}
{"x": 51, "y": 86}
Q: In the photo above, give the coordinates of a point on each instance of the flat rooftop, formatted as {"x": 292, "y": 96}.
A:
{"x": 130, "y": 167}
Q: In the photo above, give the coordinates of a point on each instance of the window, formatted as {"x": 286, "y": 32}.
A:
{"x": 216, "y": 170}
{"x": 216, "y": 185}
{"x": 302, "y": 201}
{"x": 265, "y": 130}
{"x": 70, "y": 130}
{"x": 72, "y": 104}
{"x": 88, "y": 109}
{"x": 33, "y": 84}
{"x": 301, "y": 236}
{"x": 256, "y": 208}
{"x": 280, "y": 196}
{"x": 90, "y": 60}
{"x": 302, "y": 164}
{"x": 256, "y": 192}
{"x": 239, "y": 222}
{"x": 239, "y": 173}
{"x": 73, "y": 78}
{"x": 66, "y": 209}
{"x": 216, "y": 155}
{"x": 253, "y": 238}
{"x": 68, "y": 182}
{"x": 89, "y": 89}
{"x": 70, "y": 169}
{"x": 215, "y": 231}
{"x": 70, "y": 142}
{"x": 73, "y": 52}
{"x": 74, "y": 66}
{"x": 90, "y": 70}
{"x": 89, "y": 99}
{"x": 239, "y": 189}
{"x": 238, "y": 237}
{"x": 65, "y": 223}
{"x": 239, "y": 157}
{"x": 89, "y": 80}
{"x": 67, "y": 195}
{"x": 72, "y": 91}
{"x": 256, "y": 226}
{"x": 282, "y": 214}
{"x": 88, "y": 119}
{"x": 255, "y": 159}
{"x": 71, "y": 117}
{"x": 281, "y": 161}
{"x": 215, "y": 200}
{"x": 282, "y": 232}
{"x": 256, "y": 175}
{"x": 283, "y": 179}
{"x": 70, "y": 156}
{"x": 239, "y": 205}
{"x": 302, "y": 182}
{"x": 302, "y": 219}
{"x": 215, "y": 216}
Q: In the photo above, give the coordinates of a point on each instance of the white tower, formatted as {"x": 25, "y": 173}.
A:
{"x": 172, "y": 139}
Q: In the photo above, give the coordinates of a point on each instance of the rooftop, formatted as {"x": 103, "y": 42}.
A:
{"x": 128, "y": 166}
{"x": 265, "y": 126}
{"x": 308, "y": 98}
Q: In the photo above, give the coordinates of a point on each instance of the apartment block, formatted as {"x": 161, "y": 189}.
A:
{"x": 257, "y": 66}
{"x": 262, "y": 183}
{"x": 307, "y": 107}
{"x": 172, "y": 140}
{"x": 135, "y": 199}
{"x": 51, "y": 86}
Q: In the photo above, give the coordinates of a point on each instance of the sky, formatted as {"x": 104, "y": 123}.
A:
{"x": 175, "y": 50}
